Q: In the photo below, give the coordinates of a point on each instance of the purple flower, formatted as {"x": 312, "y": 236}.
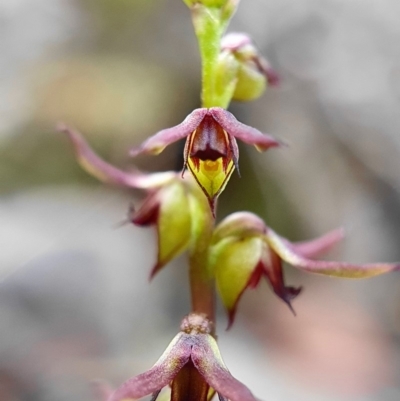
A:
{"x": 244, "y": 250}
{"x": 191, "y": 365}
{"x": 173, "y": 205}
{"x": 211, "y": 152}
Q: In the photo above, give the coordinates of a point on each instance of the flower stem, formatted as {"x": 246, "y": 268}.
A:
{"x": 209, "y": 28}
{"x": 202, "y": 288}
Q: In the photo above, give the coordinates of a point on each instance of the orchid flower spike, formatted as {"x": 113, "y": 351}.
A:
{"x": 244, "y": 249}
{"x": 192, "y": 365}
{"x": 211, "y": 152}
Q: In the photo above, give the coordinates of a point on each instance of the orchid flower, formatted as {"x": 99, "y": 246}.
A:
{"x": 211, "y": 152}
{"x": 192, "y": 365}
{"x": 244, "y": 249}
{"x": 170, "y": 202}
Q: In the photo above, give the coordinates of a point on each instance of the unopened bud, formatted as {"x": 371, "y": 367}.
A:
{"x": 254, "y": 72}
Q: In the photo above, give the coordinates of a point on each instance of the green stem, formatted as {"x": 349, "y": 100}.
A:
{"x": 209, "y": 29}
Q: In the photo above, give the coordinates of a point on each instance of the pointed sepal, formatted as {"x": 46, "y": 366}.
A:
{"x": 161, "y": 374}
{"x": 271, "y": 267}
{"x": 158, "y": 142}
{"x": 288, "y": 252}
{"x": 242, "y": 131}
{"x": 90, "y": 161}
{"x": 208, "y": 361}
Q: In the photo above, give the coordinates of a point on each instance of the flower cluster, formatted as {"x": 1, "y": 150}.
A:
{"x": 238, "y": 252}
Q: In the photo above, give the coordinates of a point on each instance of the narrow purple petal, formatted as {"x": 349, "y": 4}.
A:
{"x": 157, "y": 143}
{"x": 272, "y": 269}
{"x": 243, "y": 132}
{"x": 161, "y": 374}
{"x": 320, "y": 245}
{"x": 208, "y": 361}
{"x": 105, "y": 172}
{"x": 95, "y": 165}
{"x": 337, "y": 269}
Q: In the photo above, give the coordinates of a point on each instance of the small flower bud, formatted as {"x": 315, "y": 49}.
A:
{"x": 254, "y": 72}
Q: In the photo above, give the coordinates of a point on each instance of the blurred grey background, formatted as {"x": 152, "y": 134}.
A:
{"x": 75, "y": 303}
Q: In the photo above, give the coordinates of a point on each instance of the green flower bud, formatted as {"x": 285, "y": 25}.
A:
{"x": 254, "y": 73}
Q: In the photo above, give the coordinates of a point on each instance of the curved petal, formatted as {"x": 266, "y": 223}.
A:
{"x": 320, "y": 245}
{"x": 272, "y": 269}
{"x": 241, "y": 131}
{"x": 156, "y": 144}
{"x": 161, "y": 374}
{"x": 337, "y": 269}
{"x": 105, "y": 172}
{"x": 208, "y": 361}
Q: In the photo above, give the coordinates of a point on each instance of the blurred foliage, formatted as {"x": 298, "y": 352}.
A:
{"x": 114, "y": 95}
{"x": 247, "y": 192}
{"x": 118, "y": 14}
